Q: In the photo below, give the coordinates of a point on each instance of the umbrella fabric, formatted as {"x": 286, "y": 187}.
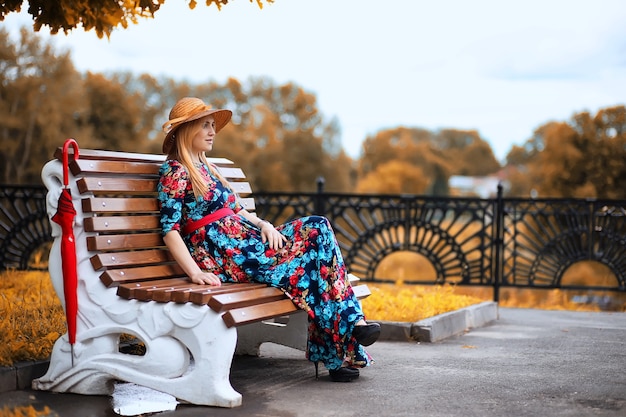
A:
{"x": 65, "y": 218}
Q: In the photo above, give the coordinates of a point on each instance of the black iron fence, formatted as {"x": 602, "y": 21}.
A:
{"x": 499, "y": 242}
{"x": 24, "y": 227}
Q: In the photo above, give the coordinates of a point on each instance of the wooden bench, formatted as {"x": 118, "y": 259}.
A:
{"x": 129, "y": 284}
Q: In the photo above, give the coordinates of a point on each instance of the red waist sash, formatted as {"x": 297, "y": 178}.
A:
{"x": 194, "y": 225}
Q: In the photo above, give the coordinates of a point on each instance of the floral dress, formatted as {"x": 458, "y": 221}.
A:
{"x": 309, "y": 268}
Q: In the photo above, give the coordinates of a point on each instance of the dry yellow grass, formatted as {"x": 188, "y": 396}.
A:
{"x": 410, "y": 303}
{"x": 31, "y": 316}
{"x": 29, "y": 411}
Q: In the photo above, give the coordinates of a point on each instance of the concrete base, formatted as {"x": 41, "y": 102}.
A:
{"x": 443, "y": 326}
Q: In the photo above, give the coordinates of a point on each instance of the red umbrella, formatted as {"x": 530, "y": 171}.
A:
{"x": 65, "y": 218}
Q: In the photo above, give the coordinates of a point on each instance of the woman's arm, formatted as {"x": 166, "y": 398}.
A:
{"x": 181, "y": 254}
{"x": 268, "y": 233}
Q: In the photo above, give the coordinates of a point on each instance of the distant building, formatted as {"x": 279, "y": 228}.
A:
{"x": 483, "y": 187}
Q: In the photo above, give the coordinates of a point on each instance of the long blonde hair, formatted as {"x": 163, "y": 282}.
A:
{"x": 181, "y": 151}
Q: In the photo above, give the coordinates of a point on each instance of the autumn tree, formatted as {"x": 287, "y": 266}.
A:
{"x": 151, "y": 98}
{"x": 394, "y": 177}
{"x": 437, "y": 155}
{"x": 44, "y": 100}
{"x": 40, "y": 98}
{"x": 282, "y": 137}
{"x": 112, "y": 114}
{"x": 470, "y": 154}
{"x": 583, "y": 157}
{"x": 101, "y": 15}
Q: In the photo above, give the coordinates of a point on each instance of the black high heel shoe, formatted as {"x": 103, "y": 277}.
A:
{"x": 366, "y": 334}
{"x": 339, "y": 375}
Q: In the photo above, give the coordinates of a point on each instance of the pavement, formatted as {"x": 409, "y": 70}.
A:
{"x": 526, "y": 363}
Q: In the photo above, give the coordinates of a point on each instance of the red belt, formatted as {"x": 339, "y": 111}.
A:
{"x": 194, "y": 225}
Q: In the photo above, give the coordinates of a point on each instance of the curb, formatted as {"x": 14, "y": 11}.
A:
{"x": 21, "y": 375}
{"x": 443, "y": 326}
{"x": 430, "y": 330}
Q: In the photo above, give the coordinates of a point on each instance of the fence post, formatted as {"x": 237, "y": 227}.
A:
{"x": 498, "y": 243}
{"x": 320, "y": 206}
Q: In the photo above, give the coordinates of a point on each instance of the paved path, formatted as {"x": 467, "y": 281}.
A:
{"x": 528, "y": 363}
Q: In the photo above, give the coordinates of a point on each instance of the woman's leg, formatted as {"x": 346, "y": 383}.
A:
{"x": 319, "y": 286}
{"x": 311, "y": 271}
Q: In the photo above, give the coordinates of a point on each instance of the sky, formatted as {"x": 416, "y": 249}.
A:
{"x": 502, "y": 68}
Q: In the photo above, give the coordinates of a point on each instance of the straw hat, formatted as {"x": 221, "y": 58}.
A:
{"x": 187, "y": 109}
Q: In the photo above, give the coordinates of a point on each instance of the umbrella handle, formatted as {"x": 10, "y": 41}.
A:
{"x": 66, "y": 145}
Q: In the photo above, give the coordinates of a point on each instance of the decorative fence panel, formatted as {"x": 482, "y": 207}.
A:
{"x": 469, "y": 241}
{"x": 24, "y": 227}
{"x": 543, "y": 238}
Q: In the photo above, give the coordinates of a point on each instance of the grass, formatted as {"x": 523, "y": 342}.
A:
{"x": 410, "y": 303}
{"x": 28, "y": 411}
{"x": 31, "y": 317}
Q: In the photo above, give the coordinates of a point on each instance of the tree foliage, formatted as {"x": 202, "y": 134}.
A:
{"x": 278, "y": 135}
{"x": 436, "y": 155}
{"x": 581, "y": 158}
{"x": 40, "y": 96}
{"x": 394, "y": 177}
{"x": 101, "y": 15}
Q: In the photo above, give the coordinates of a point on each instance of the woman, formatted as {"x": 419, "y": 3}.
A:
{"x": 215, "y": 240}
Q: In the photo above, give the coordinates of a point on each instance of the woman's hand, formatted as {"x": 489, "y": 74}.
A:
{"x": 275, "y": 239}
{"x": 206, "y": 278}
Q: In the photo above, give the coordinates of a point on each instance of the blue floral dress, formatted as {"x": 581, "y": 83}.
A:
{"x": 309, "y": 268}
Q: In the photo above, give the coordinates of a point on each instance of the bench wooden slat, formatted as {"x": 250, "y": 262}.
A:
{"x": 119, "y": 205}
{"x": 108, "y": 155}
{"x": 205, "y": 292}
{"x": 117, "y": 167}
{"x": 116, "y": 277}
{"x": 248, "y": 204}
{"x": 353, "y": 279}
{"x": 183, "y": 295}
{"x": 96, "y": 154}
{"x": 361, "y": 291}
{"x": 118, "y": 185}
{"x": 110, "y": 224}
{"x": 104, "y": 205}
{"x": 141, "y": 290}
{"x": 126, "y": 259}
{"x": 132, "y": 185}
{"x": 203, "y": 297}
{"x": 166, "y": 293}
{"x": 265, "y": 310}
{"x": 240, "y": 299}
{"x": 125, "y": 242}
{"x": 241, "y": 187}
{"x": 231, "y": 173}
{"x": 252, "y": 314}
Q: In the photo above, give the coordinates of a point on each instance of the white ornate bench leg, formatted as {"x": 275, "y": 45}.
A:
{"x": 165, "y": 367}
